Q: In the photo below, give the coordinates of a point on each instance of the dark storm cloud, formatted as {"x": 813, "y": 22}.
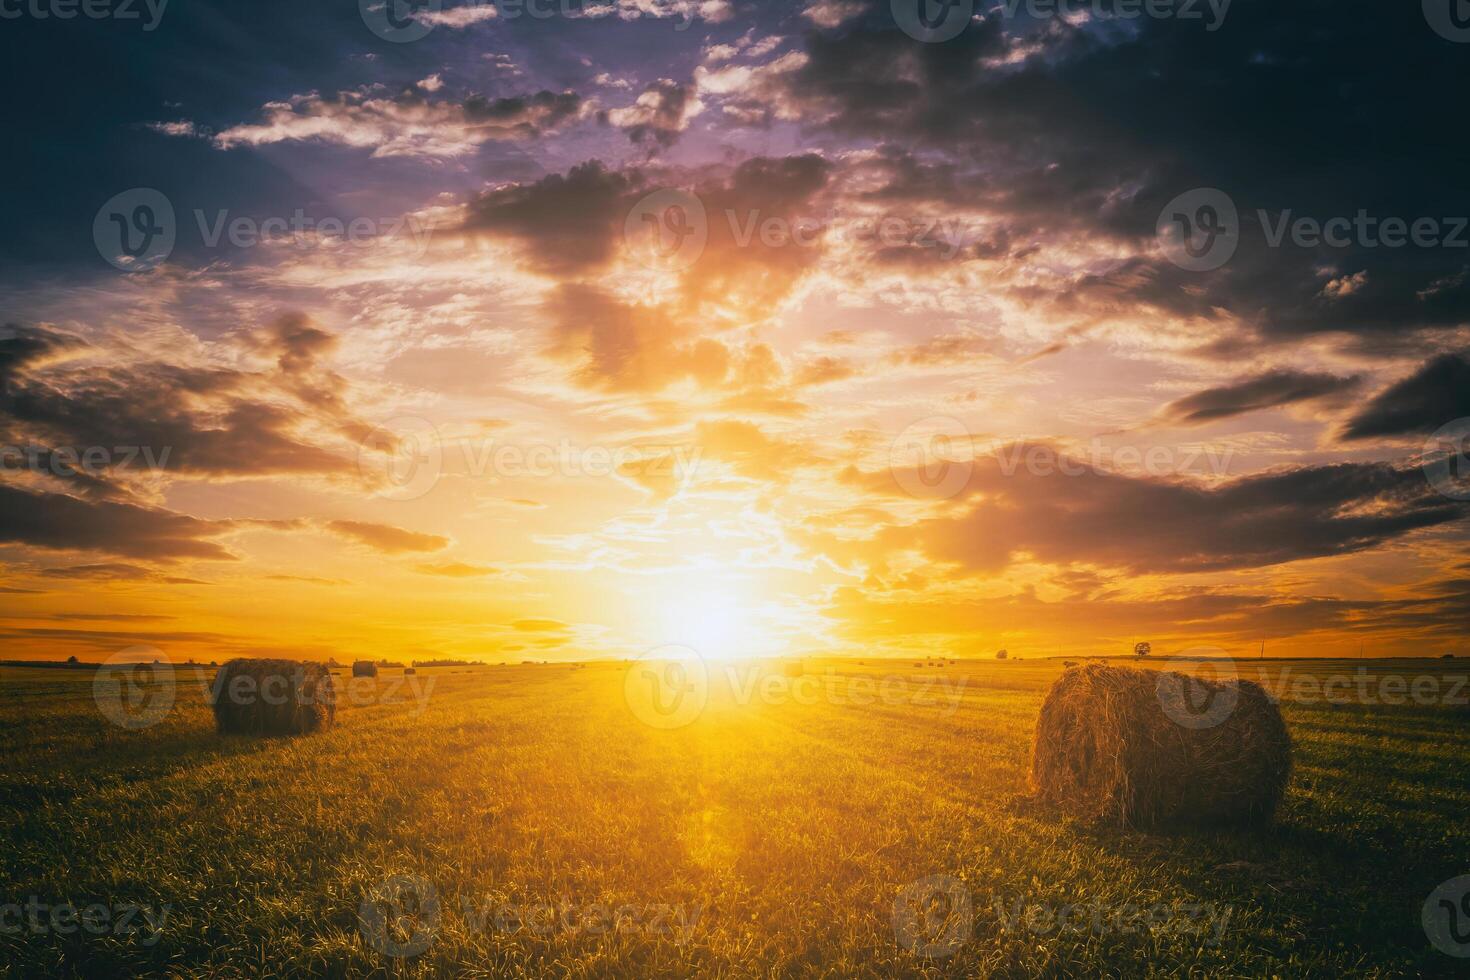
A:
{"x": 1092, "y": 129}
{"x": 1270, "y": 390}
{"x": 1034, "y": 502}
{"x": 21, "y": 346}
{"x": 58, "y": 522}
{"x": 1432, "y": 397}
{"x": 567, "y": 224}
{"x": 157, "y": 415}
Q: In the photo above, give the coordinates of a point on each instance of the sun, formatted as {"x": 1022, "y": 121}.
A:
{"x": 718, "y": 621}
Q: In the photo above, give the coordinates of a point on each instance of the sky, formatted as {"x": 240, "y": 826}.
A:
{"x": 559, "y": 330}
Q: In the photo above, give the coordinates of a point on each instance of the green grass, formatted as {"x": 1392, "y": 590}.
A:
{"x": 768, "y": 837}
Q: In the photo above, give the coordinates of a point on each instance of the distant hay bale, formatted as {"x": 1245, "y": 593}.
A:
{"x": 273, "y": 697}
{"x": 793, "y": 668}
{"x": 1108, "y": 747}
{"x": 364, "y": 668}
{"x": 407, "y": 671}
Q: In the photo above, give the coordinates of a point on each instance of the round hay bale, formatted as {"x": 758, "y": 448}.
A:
{"x": 364, "y": 668}
{"x": 409, "y": 671}
{"x": 273, "y": 697}
{"x": 1151, "y": 748}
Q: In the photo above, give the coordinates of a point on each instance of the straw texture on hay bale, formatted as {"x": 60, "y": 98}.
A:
{"x": 273, "y": 697}
{"x": 1106, "y": 748}
{"x": 364, "y": 668}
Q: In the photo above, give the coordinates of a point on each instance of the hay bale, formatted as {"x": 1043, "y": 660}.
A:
{"x": 364, "y": 668}
{"x": 793, "y": 668}
{"x": 409, "y": 671}
{"x": 1110, "y": 746}
{"x": 273, "y": 697}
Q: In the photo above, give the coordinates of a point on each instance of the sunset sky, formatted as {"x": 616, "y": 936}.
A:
{"x": 922, "y": 378}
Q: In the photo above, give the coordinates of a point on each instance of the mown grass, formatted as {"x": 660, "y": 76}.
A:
{"x": 768, "y": 837}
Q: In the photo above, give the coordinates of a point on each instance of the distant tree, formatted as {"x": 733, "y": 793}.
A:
{"x": 1143, "y": 649}
{"x": 1002, "y": 654}
{"x": 72, "y": 659}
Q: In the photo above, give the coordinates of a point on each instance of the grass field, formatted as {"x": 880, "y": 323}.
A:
{"x": 546, "y": 827}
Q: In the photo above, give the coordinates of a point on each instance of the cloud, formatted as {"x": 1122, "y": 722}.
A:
{"x": 832, "y": 13}
{"x": 620, "y": 347}
{"x": 1028, "y": 500}
{"x": 386, "y": 537}
{"x": 751, "y": 451}
{"x": 408, "y": 124}
{"x": 539, "y": 625}
{"x": 61, "y": 523}
{"x": 660, "y": 115}
{"x": 1272, "y": 389}
{"x": 458, "y": 569}
{"x": 147, "y": 416}
{"x": 457, "y": 18}
{"x": 1432, "y": 397}
{"x": 100, "y": 571}
{"x": 1055, "y": 129}
{"x": 566, "y": 224}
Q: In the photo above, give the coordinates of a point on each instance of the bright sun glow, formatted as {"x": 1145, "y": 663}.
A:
{"x": 717, "y": 623}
